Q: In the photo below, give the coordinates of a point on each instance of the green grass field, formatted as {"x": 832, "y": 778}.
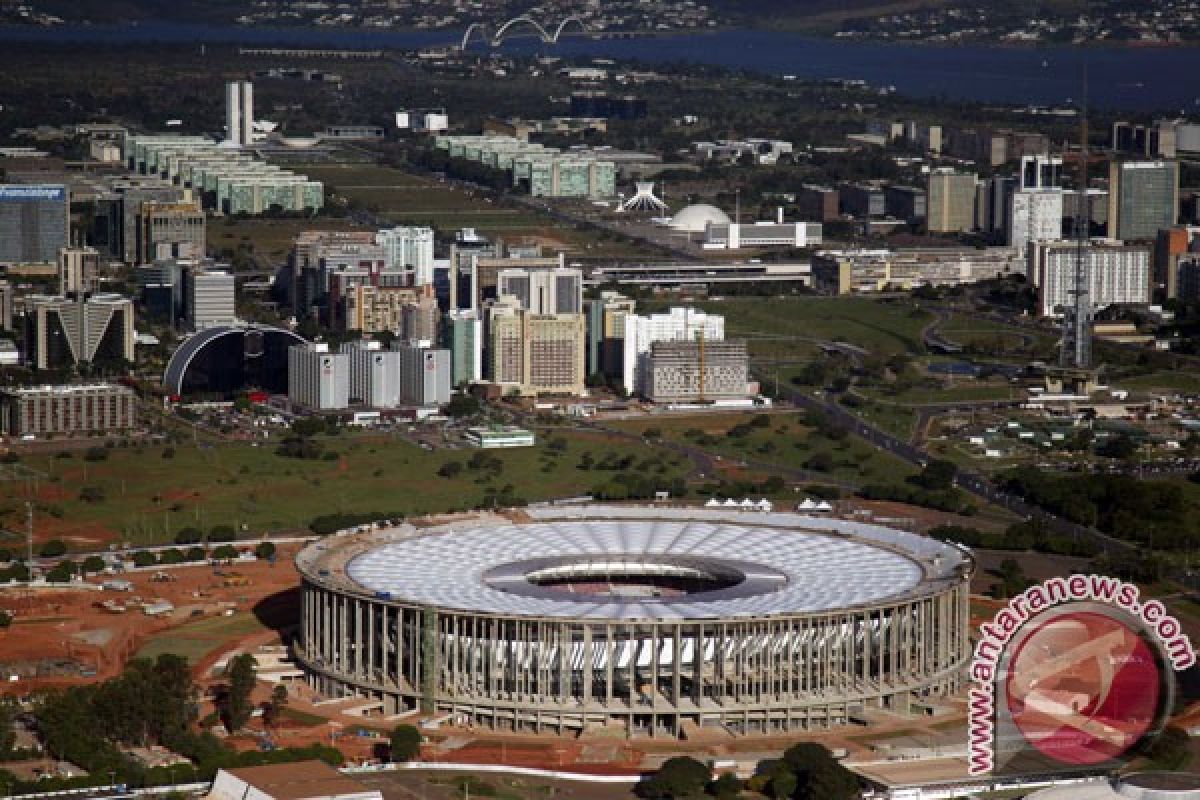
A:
{"x": 787, "y": 442}
{"x": 1161, "y": 382}
{"x": 883, "y": 327}
{"x": 270, "y": 238}
{"x": 148, "y": 498}
{"x": 194, "y": 640}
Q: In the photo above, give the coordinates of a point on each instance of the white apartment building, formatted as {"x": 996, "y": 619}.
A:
{"x": 676, "y": 325}
{"x": 374, "y": 374}
{"x": 318, "y": 380}
{"x": 409, "y": 249}
{"x": 211, "y": 299}
{"x": 1116, "y": 274}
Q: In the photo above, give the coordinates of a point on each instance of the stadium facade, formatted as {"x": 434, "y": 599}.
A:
{"x": 654, "y": 621}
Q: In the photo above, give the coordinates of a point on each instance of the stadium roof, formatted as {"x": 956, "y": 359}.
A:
{"x": 749, "y": 564}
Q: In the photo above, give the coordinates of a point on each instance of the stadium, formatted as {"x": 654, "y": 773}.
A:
{"x": 648, "y": 621}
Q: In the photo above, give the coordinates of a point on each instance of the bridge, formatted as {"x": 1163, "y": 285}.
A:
{"x": 497, "y": 38}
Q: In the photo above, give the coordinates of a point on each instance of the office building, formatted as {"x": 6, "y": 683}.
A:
{"x": 1036, "y": 215}
{"x": 170, "y": 230}
{"x": 1117, "y": 274}
{"x": 951, "y": 201}
{"x": 78, "y": 270}
{"x": 818, "y": 203}
{"x": 463, "y": 335}
{"x": 304, "y": 780}
{"x": 211, "y": 298}
{"x": 409, "y": 250}
{"x": 640, "y": 333}
{"x": 318, "y": 380}
{"x": 864, "y": 271}
{"x": 420, "y": 320}
{"x": 862, "y": 201}
{"x": 995, "y": 206}
{"x": 694, "y": 371}
{"x": 498, "y": 437}
{"x": 1188, "y": 277}
{"x": 374, "y": 374}
{"x": 475, "y": 277}
{"x": 734, "y": 236}
{"x": 543, "y": 291}
{"x": 907, "y": 203}
{"x": 1171, "y": 245}
{"x": 62, "y": 332}
{"x": 95, "y": 409}
{"x": 425, "y": 374}
{"x": 239, "y": 113}
{"x": 34, "y": 223}
{"x": 7, "y": 292}
{"x": 1143, "y": 198}
{"x": 535, "y": 353}
{"x": 606, "y": 315}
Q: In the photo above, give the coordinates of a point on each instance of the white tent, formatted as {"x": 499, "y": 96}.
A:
{"x": 712, "y": 503}
{"x": 824, "y": 506}
{"x": 731, "y": 503}
{"x": 765, "y": 505}
{"x": 807, "y": 505}
{"x": 749, "y": 504}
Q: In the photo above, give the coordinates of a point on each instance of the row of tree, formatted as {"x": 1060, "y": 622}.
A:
{"x": 807, "y": 771}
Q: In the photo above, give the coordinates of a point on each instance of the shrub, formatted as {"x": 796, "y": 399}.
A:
{"x": 53, "y": 549}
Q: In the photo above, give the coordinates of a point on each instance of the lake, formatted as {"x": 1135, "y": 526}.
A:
{"x": 1130, "y": 78}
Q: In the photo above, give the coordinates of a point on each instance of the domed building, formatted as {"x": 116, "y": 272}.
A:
{"x": 697, "y": 218}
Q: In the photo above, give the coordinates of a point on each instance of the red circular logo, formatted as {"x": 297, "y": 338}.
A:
{"x": 1084, "y": 687}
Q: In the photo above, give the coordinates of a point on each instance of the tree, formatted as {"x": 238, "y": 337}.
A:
{"x": 463, "y": 404}
{"x": 726, "y": 787}
{"x": 1121, "y": 447}
{"x": 53, "y": 548}
{"x": 784, "y": 784}
{"x": 678, "y": 777}
{"x": 143, "y": 559}
{"x": 451, "y": 469}
{"x": 189, "y": 535}
{"x": 8, "y": 733}
{"x": 93, "y": 564}
{"x": 265, "y": 550}
{"x": 5, "y": 619}
{"x": 96, "y": 454}
{"x": 938, "y": 474}
{"x": 405, "y": 743}
{"x": 225, "y": 552}
{"x": 236, "y": 707}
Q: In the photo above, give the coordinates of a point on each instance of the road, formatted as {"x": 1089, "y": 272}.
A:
{"x": 971, "y": 482}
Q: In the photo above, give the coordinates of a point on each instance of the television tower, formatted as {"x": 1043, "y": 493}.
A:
{"x": 1076, "y": 350}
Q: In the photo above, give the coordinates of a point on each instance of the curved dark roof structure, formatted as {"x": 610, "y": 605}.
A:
{"x": 226, "y": 360}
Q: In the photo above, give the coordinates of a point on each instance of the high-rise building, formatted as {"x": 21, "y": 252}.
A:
{"x": 375, "y": 374}
{"x": 1171, "y": 243}
{"x": 419, "y": 320}
{"x": 239, "y": 113}
{"x": 318, "y": 380}
{"x": 535, "y": 353}
{"x": 477, "y": 276}
{"x": 1188, "y": 277}
{"x": 62, "y": 332}
{"x": 1143, "y": 198}
{"x": 425, "y": 374}
{"x": 606, "y": 317}
{"x": 78, "y": 270}
{"x": 819, "y": 203}
{"x": 694, "y": 372}
{"x": 34, "y": 223}
{"x": 97, "y": 409}
{"x": 1036, "y": 215}
{"x": 1116, "y": 274}
{"x": 906, "y": 203}
{"x": 463, "y": 335}
{"x": 409, "y": 250}
{"x": 951, "y": 201}
{"x": 170, "y": 230}
{"x": 544, "y": 291}
{"x": 676, "y": 325}
{"x": 211, "y": 298}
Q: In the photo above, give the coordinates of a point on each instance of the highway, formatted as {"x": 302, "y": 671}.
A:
{"x": 971, "y": 482}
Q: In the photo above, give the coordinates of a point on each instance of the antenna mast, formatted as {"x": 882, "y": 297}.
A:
{"x": 1076, "y": 350}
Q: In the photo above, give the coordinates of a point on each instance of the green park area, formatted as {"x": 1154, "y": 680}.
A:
{"x": 146, "y": 495}
{"x": 405, "y": 198}
{"x": 787, "y": 440}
